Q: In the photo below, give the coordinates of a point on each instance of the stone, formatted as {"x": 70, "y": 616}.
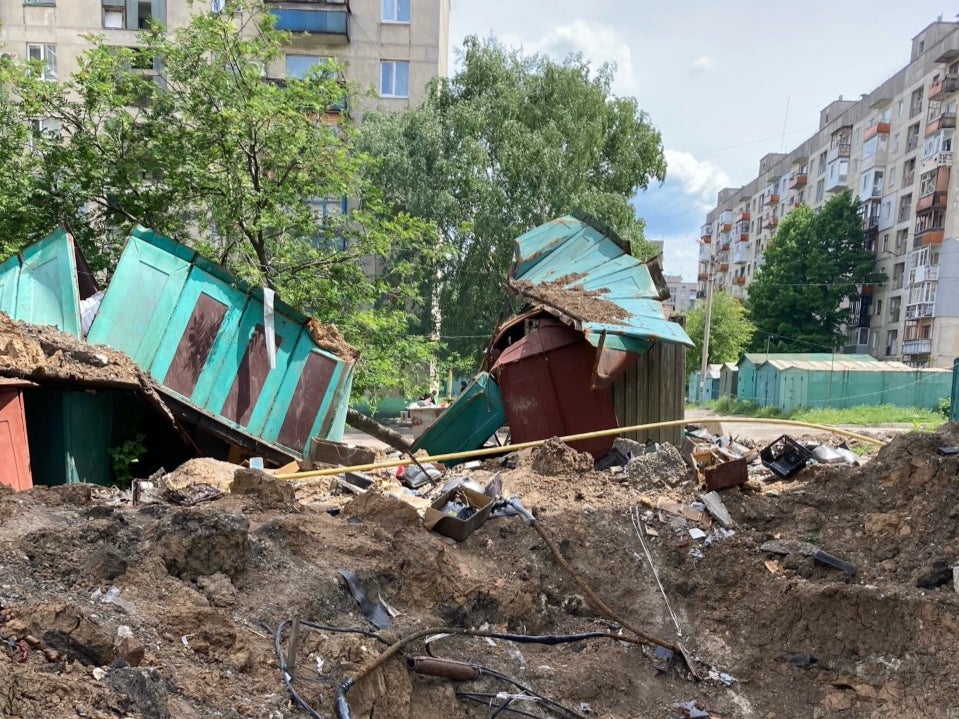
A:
{"x": 199, "y": 542}
{"x": 270, "y": 492}
{"x": 145, "y": 693}
{"x": 218, "y": 588}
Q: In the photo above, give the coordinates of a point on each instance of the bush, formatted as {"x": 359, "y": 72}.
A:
{"x": 945, "y": 406}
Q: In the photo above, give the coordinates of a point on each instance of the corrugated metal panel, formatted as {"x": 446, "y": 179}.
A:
{"x": 546, "y": 380}
{"x": 70, "y": 432}
{"x": 42, "y": 284}
{"x": 199, "y": 332}
{"x": 14, "y": 449}
{"x": 563, "y": 262}
{"x": 467, "y": 423}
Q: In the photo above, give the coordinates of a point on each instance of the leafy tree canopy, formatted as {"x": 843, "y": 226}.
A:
{"x": 508, "y": 142}
{"x": 815, "y": 265}
{"x": 183, "y": 134}
{"x": 730, "y": 330}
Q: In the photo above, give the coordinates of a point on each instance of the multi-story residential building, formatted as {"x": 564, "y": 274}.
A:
{"x": 893, "y": 147}
{"x": 393, "y": 46}
{"x": 682, "y": 295}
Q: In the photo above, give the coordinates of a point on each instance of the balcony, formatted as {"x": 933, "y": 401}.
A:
{"x": 943, "y": 121}
{"x": 840, "y": 151}
{"x": 930, "y": 201}
{"x": 877, "y": 128}
{"x": 723, "y": 266}
{"x": 702, "y": 276}
{"x": 798, "y": 180}
{"x": 771, "y": 199}
{"x": 938, "y": 159}
{"x": 770, "y": 222}
{"x": 739, "y": 280}
{"x": 745, "y": 216}
{"x": 917, "y": 347}
{"x": 706, "y": 233}
{"x": 837, "y": 183}
{"x": 741, "y": 230}
{"x": 328, "y": 19}
{"x": 740, "y": 253}
{"x": 918, "y": 311}
{"x": 726, "y": 220}
{"x": 723, "y": 245}
{"x": 925, "y": 273}
{"x": 944, "y": 86}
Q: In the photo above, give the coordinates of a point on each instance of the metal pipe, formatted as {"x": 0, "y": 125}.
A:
{"x": 486, "y": 451}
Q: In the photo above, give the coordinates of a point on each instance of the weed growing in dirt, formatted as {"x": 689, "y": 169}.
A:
{"x": 123, "y": 457}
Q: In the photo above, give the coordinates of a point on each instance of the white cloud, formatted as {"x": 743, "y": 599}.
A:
{"x": 597, "y": 42}
{"x": 701, "y": 64}
{"x": 681, "y": 256}
{"x": 700, "y": 180}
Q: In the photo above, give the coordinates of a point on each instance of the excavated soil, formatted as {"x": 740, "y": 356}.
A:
{"x": 575, "y": 301}
{"x": 155, "y": 611}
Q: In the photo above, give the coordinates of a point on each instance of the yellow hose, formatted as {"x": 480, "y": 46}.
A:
{"x": 572, "y": 438}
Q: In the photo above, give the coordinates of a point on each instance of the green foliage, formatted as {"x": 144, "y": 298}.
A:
{"x": 213, "y": 155}
{"x": 862, "y": 415}
{"x": 816, "y": 262}
{"x": 730, "y": 330}
{"x": 508, "y": 142}
{"x": 123, "y": 458}
{"x": 945, "y": 406}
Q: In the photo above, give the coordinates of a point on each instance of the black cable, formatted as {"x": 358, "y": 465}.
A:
{"x": 342, "y": 630}
{"x": 487, "y": 700}
{"x": 287, "y": 678}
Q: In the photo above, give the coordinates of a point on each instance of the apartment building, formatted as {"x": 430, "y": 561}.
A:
{"x": 394, "y": 47}
{"x": 893, "y": 147}
{"x": 682, "y": 295}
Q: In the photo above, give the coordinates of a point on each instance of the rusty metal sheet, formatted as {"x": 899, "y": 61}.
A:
{"x": 249, "y": 380}
{"x": 306, "y": 401}
{"x": 195, "y": 345}
{"x": 726, "y": 474}
{"x": 546, "y": 384}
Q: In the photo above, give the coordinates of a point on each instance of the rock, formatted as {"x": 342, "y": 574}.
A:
{"x": 666, "y": 465}
{"x": 218, "y": 588}
{"x": 271, "y": 493}
{"x": 555, "y": 457}
{"x": 131, "y": 650}
{"x": 881, "y": 523}
{"x": 106, "y": 563}
{"x": 64, "y": 628}
{"x": 935, "y": 575}
{"x": 199, "y": 542}
{"x": 144, "y": 690}
{"x": 629, "y": 446}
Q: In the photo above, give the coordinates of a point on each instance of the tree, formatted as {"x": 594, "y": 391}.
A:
{"x": 730, "y": 330}
{"x": 815, "y": 266}
{"x": 510, "y": 142}
{"x": 184, "y": 135}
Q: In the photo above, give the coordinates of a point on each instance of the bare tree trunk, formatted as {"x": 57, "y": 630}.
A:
{"x": 360, "y": 421}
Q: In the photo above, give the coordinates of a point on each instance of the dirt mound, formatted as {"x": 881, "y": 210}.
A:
{"x": 554, "y": 457}
{"x": 183, "y": 592}
{"x": 201, "y": 470}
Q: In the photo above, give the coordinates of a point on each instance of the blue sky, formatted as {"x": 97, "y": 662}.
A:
{"x": 725, "y": 81}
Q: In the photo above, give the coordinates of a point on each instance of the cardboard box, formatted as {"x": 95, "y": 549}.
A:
{"x": 458, "y": 529}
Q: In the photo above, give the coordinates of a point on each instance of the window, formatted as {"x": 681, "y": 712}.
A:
{"x": 899, "y": 107}
{"x": 822, "y": 162}
{"x": 394, "y": 78}
{"x": 927, "y": 182}
{"x": 396, "y": 11}
{"x": 855, "y": 137}
{"x": 895, "y": 306}
{"x": 47, "y": 54}
{"x": 915, "y": 102}
{"x": 905, "y": 207}
{"x": 912, "y": 137}
{"x": 885, "y": 242}
{"x": 891, "y": 181}
{"x": 297, "y": 66}
{"x": 42, "y": 126}
{"x": 895, "y": 143}
{"x": 114, "y": 14}
{"x": 820, "y": 190}
{"x": 908, "y": 172}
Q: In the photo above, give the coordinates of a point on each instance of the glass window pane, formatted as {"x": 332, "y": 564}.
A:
{"x": 388, "y": 9}
{"x": 403, "y": 10}
{"x": 402, "y": 79}
{"x": 298, "y": 65}
{"x": 386, "y": 78}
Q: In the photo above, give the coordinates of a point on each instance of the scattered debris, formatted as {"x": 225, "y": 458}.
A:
{"x": 793, "y": 546}
{"x": 785, "y": 456}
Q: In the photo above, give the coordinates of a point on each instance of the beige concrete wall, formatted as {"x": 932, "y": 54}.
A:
{"x": 423, "y": 42}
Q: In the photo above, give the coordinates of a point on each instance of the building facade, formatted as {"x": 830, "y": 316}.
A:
{"x": 893, "y": 148}
{"x": 682, "y": 295}
{"x": 394, "y": 47}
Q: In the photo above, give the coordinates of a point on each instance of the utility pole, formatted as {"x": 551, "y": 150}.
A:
{"x": 709, "y": 317}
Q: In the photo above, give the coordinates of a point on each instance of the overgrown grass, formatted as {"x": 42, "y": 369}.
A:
{"x": 864, "y": 415}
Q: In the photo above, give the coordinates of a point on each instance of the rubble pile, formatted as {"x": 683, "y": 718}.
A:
{"x": 828, "y": 593}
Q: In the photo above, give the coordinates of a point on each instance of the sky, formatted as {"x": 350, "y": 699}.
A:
{"x": 725, "y": 81}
